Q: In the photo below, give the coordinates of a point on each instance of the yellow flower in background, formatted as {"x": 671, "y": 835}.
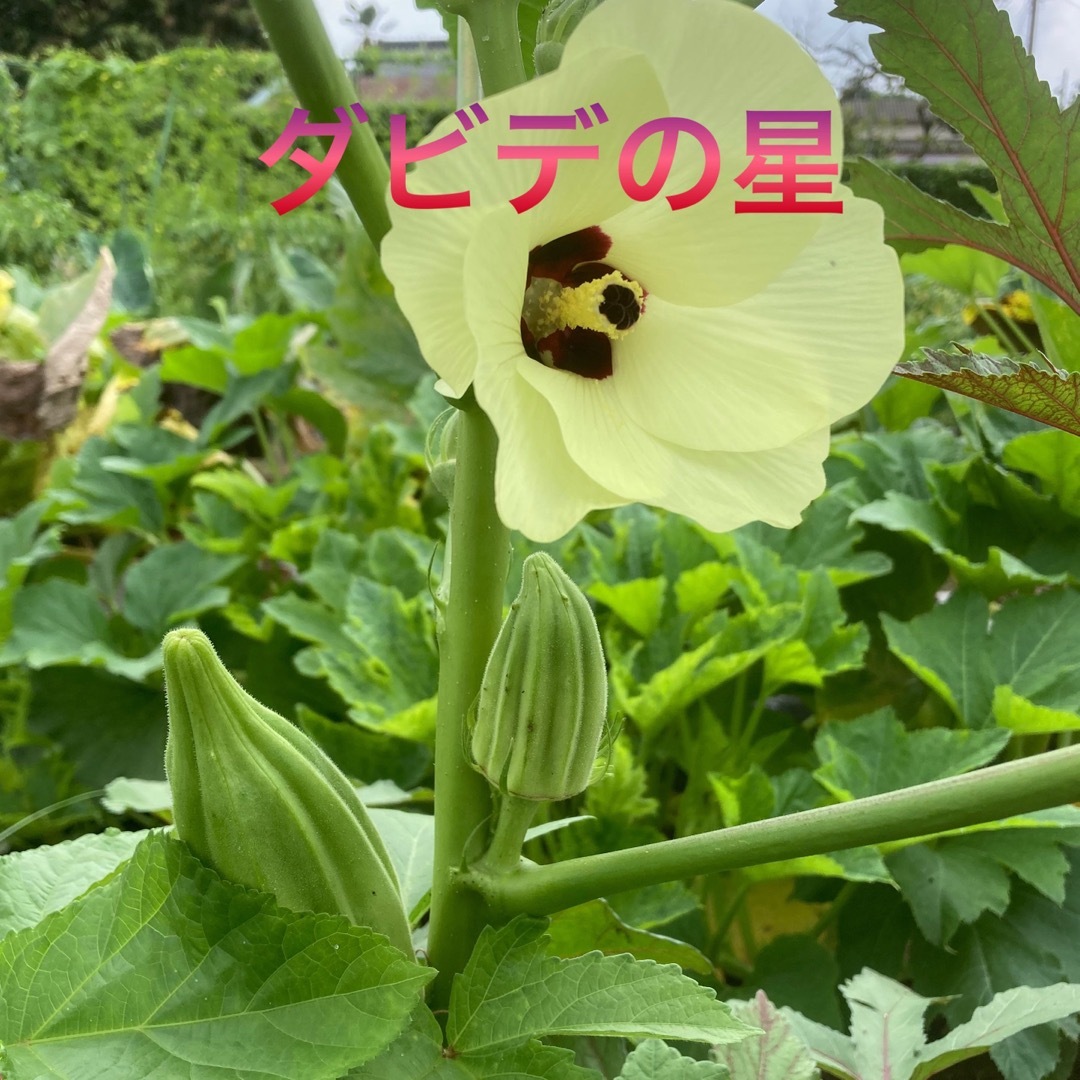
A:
{"x": 691, "y": 359}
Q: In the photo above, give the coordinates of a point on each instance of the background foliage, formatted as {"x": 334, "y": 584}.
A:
{"x": 135, "y": 29}
{"x": 167, "y": 149}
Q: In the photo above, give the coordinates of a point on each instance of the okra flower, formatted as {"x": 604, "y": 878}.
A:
{"x": 691, "y": 359}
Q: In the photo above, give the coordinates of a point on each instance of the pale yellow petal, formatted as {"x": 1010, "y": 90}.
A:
{"x": 809, "y": 348}
{"x": 716, "y": 61}
{"x": 720, "y": 490}
{"x": 539, "y": 489}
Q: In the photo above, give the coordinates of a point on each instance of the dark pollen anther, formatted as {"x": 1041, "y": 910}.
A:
{"x": 620, "y": 307}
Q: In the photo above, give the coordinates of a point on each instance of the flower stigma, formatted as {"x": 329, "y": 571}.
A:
{"x": 575, "y": 306}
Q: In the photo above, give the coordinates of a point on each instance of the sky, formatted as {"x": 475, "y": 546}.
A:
{"x": 1057, "y": 32}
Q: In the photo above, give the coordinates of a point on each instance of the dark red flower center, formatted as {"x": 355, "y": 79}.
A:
{"x": 571, "y": 261}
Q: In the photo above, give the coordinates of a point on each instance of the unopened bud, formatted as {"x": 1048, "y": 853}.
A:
{"x": 441, "y": 452}
{"x": 556, "y": 25}
{"x": 542, "y": 707}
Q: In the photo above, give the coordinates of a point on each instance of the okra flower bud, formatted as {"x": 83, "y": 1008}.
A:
{"x": 256, "y": 799}
{"x": 542, "y": 707}
{"x": 556, "y": 24}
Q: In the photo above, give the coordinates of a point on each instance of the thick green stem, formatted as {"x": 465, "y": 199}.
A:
{"x": 479, "y": 555}
{"x": 494, "y": 27}
{"x": 1018, "y": 787}
{"x": 320, "y": 83}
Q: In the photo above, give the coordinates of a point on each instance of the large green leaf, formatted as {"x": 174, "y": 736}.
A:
{"x": 948, "y": 533}
{"x": 1053, "y": 457}
{"x": 955, "y": 879}
{"x": 22, "y": 544}
{"x": 1008, "y": 1013}
{"x": 825, "y": 538}
{"x": 737, "y": 644}
{"x": 966, "y": 60}
{"x": 874, "y": 754}
{"x": 173, "y": 583}
{"x": 1028, "y": 649}
{"x": 511, "y": 991}
{"x": 167, "y": 970}
{"x": 949, "y": 885}
{"x": 419, "y": 1054}
{"x": 108, "y": 726}
{"x": 34, "y": 883}
{"x": 61, "y": 622}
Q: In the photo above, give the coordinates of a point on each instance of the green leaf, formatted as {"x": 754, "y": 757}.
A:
{"x": 932, "y": 524}
{"x": 887, "y": 1040}
{"x": 418, "y": 1054}
{"x": 410, "y": 843}
{"x": 244, "y": 394}
{"x": 511, "y": 992}
{"x": 366, "y": 755}
{"x": 654, "y": 1060}
{"x": 874, "y": 754}
{"x": 1032, "y": 387}
{"x": 974, "y": 71}
{"x": 776, "y": 1054}
{"x": 596, "y": 927}
{"x": 387, "y": 670}
{"x": 886, "y": 1025}
{"x": 109, "y": 726}
{"x": 1053, "y": 457}
{"x": 36, "y": 882}
{"x": 173, "y": 583}
{"x": 1025, "y": 718}
{"x": 972, "y": 273}
{"x": 950, "y": 883}
{"x": 21, "y": 545}
{"x": 97, "y": 495}
{"x": 738, "y": 644}
{"x": 254, "y": 498}
{"x": 829, "y": 1048}
{"x": 961, "y": 654}
{"x": 638, "y": 603}
{"x": 1006, "y": 1014}
{"x": 306, "y": 281}
{"x": 166, "y": 965}
{"x": 995, "y": 954}
{"x": 375, "y": 362}
{"x": 825, "y": 539}
{"x": 132, "y": 289}
{"x": 124, "y": 795}
{"x": 337, "y": 558}
{"x": 204, "y": 368}
{"x": 797, "y": 971}
{"x": 60, "y": 622}
{"x": 620, "y": 794}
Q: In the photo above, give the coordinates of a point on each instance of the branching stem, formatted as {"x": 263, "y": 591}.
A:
{"x": 1018, "y": 787}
